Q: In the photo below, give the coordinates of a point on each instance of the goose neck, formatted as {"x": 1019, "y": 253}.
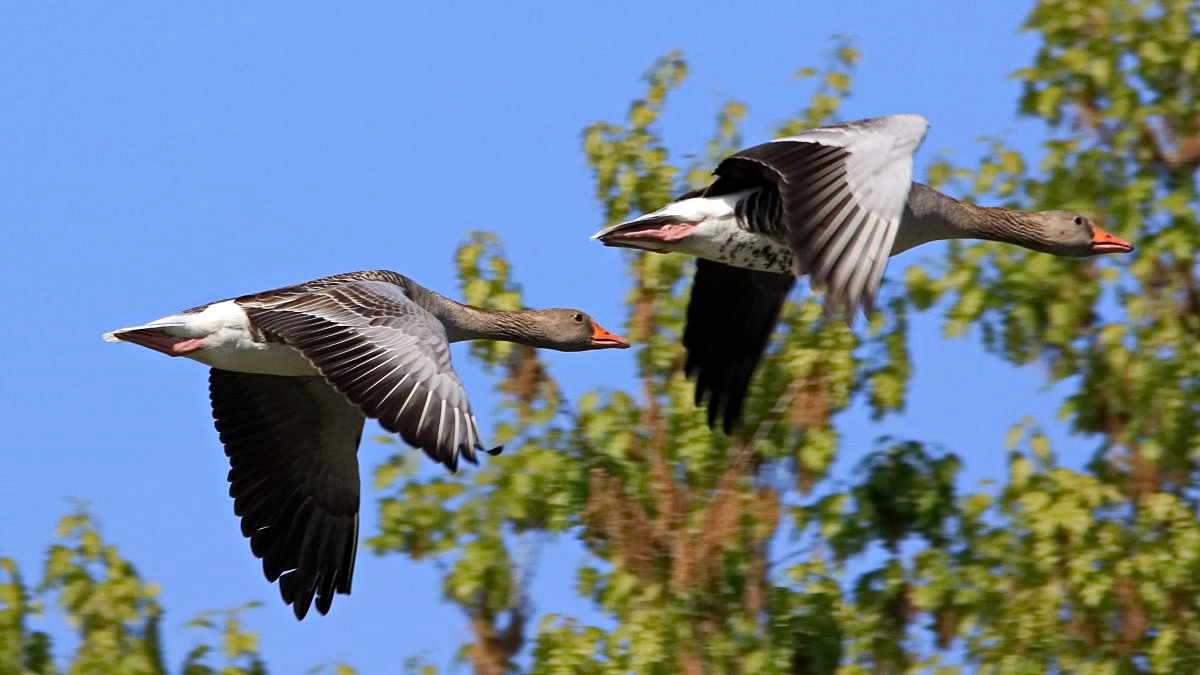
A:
{"x": 930, "y": 215}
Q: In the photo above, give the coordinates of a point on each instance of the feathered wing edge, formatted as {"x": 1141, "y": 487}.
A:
{"x": 389, "y": 357}
{"x": 843, "y": 190}
{"x": 730, "y": 317}
{"x": 292, "y": 444}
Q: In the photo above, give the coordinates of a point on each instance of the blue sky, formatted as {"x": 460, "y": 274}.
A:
{"x": 157, "y": 157}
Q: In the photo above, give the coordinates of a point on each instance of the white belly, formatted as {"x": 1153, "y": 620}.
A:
{"x": 229, "y": 342}
{"x": 267, "y": 358}
{"x": 721, "y": 241}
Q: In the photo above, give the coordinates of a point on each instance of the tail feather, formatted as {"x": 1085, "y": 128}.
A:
{"x": 154, "y": 336}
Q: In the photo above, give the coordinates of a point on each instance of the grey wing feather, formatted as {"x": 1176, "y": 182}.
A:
{"x": 843, "y": 190}
{"x": 388, "y": 355}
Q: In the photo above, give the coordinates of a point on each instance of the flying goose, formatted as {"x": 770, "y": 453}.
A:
{"x": 834, "y": 203}
{"x": 294, "y": 373}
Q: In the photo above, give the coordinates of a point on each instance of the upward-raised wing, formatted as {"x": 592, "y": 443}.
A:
{"x": 385, "y": 353}
{"x": 843, "y": 190}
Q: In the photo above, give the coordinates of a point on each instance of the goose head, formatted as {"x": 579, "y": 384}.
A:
{"x": 568, "y": 330}
{"x": 1068, "y": 233}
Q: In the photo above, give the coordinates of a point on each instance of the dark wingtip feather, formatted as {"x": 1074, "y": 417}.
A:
{"x": 304, "y": 533}
{"x": 294, "y": 593}
{"x": 324, "y": 603}
{"x": 730, "y": 317}
{"x": 446, "y": 459}
{"x": 733, "y": 415}
{"x": 712, "y": 408}
{"x": 465, "y": 451}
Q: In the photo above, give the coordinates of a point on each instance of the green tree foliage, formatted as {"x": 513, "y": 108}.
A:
{"x": 114, "y": 614}
{"x": 684, "y": 526}
{"x": 239, "y": 647}
{"x": 1102, "y": 565}
{"x": 714, "y": 554}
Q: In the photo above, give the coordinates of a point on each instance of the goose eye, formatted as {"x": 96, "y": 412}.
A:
{"x": 1078, "y": 220}
{"x": 577, "y": 316}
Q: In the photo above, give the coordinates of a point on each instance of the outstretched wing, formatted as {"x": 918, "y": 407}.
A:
{"x": 843, "y": 190}
{"x": 292, "y": 444}
{"x": 730, "y": 316}
{"x": 388, "y": 355}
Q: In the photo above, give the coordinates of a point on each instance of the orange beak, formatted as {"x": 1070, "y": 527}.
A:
{"x": 602, "y": 338}
{"x": 1103, "y": 242}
